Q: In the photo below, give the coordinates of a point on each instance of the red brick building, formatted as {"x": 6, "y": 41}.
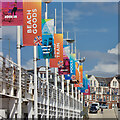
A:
{"x": 104, "y": 91}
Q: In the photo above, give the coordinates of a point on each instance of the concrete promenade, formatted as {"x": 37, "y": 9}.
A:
{"x": 107, "y": 113}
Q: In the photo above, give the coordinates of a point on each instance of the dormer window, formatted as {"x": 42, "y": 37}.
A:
{"x": 114, "y": 83}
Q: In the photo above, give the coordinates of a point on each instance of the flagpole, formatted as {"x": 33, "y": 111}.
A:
{"x": 68, "y": 86}
{"x": 19, "y": 66}
{"x": 56, "y": 77}
{"x": 35, "y": 85}
{"x": 76, "y": 56}
{"x": 47, "y": 73}
{"x": 81, "y": 93}
{"x": 63, "y": 75}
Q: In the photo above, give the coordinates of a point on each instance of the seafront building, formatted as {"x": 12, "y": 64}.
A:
{"x": 104, "y": 91}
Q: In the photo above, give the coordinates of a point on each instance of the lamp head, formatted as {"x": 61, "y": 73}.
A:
{"x": 70, "y": 40}
{"x": 82, "y": 60}
{"x": 47, "y": 1}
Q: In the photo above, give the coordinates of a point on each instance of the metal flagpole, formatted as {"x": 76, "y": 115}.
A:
{"x": 56, "y": 78}
{"x": 63, "y": 75}
{"x": 76, "y": 56}
{"x": 35, "y": 85}
{"x": 68, "y": 86}
{"x": 19, "y": 66}
{"x": 47, "y": 75}
{"x": 72, "y": 84}
{"x": 81, "y": 93}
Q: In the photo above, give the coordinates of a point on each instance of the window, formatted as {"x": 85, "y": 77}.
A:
{"x": 112, "y": 97}
{"x": 99, "y": 89}
{"x": 107, "y": 98}
{"x": 115, "y": 98}
{"x": 115, "y": 83}
{"x": 85, "y": 97}
{"x": 92, "y": 89}
{"x": 100, "y": 98}
{"x": 90, "y": 97}
{"x": 103, "y": 90}
{"x": 104, "y": 98}
{"x": 97, "y": 97}
{"x": 96, "y": 89}
{"x": 94, "y": 83}
{"x": 91, "y": 82}
{"x": 101, "y": 84}
{"x": 44, "y": 75}
{"x": 48, "y": 76}
{"x": 93, "y": 97}
{"x": 41, "y": 75}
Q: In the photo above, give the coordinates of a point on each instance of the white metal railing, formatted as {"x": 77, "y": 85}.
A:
{"x": 9, "y": 76}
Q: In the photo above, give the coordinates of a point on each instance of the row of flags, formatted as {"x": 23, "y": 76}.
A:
{"x": 40, "y": 32}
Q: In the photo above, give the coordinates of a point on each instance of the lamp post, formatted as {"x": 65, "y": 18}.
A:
{"x": 81, "y": 60}
{"x": 70, "y": 41}
{"x": 47, "y": 2}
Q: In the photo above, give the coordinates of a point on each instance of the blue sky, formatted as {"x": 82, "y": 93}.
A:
{"x": 96, "y": 28}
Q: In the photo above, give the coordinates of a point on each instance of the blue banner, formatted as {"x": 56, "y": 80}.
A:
{"x": 85, "y": 83}
{"x": 71, "y": 76}
{"x": 46, "y": 50}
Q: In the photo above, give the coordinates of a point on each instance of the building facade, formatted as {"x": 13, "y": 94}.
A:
{"x": 104, "y": 91}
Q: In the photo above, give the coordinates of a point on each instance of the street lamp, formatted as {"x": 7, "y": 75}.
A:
{"x": 47, "y": 1}
{"x": 82, "y": 60}
{"x": 70, "y": 40}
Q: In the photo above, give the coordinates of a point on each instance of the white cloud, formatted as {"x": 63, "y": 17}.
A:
{"x": 1, "y": 53}
{"x": 73, "y": 15}
{"x": 110, "y": 68}
{"x": 29, "y": 64}
{"x": 104, "y": 70}
{"x": 106, "y": 64}
{"x": 102, "y": 30}
{"x": 114, "y": 50}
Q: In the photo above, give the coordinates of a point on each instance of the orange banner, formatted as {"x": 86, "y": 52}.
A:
{"x": 58, "y": 47}
{"x": 77, "y": 70}
{"x": 32, "y": 33}
{"x": 81, "y": 74}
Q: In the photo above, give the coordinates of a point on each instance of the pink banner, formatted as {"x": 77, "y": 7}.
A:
{"x": 12, "y": 13}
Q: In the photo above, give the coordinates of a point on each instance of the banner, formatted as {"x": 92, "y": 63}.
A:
{"x": 12, "y": 13}
{"x": 72, "y": 75}
{"x": 79, "y": 75}
{"x": 46, "y": 49}
{"x": 47, "y": 26}
{"x": 58, "y": 50}
{"x": 87, "y": 91}
{"x": 84, "y": 89}
{"x": 64, "y": 66}
{"x": 32, "y": 33}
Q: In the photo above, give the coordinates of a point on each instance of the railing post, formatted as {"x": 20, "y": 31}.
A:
{"x": 68, "y": 97}
{"x": 19, "y": 66}
{"x": 63, "y": 96}
{"x": 12, "y": 88}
